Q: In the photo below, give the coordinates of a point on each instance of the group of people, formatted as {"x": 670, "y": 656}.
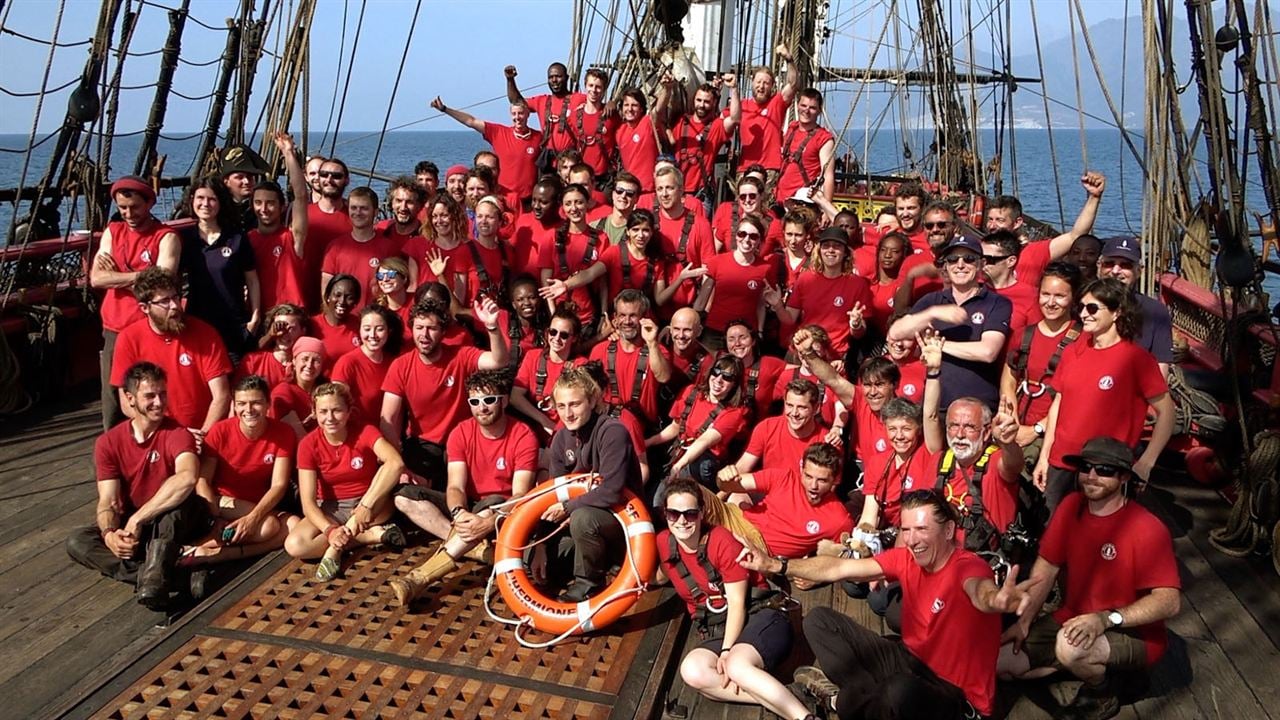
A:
{"x": 802, "y": 394}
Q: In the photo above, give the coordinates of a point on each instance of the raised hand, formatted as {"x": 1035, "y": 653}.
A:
{"x": 284, "y": 142}
{"x": 1094, "y": 183}
{"x": 930, "y": 350}
{"x": 782, "y": 52}
{"x": 1004, "y": 426}
{"x": 648, "y": 331}
{"x": 802, "y": 341}
{"x": 857, "y": 316}
{"x": 510, "y": 72}
{"x": 1013, "y": 596}
{"x": 555, "y": 288}
{"x": 729, "y": 80}
{"x": 486, "y": 311}
{"x": 438, "y": 104}
{"x": 437, "y": 261}
{"x": 772, "y": 295}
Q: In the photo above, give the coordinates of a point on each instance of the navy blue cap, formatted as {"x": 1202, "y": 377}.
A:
{"x": 962, "y": 242}
{"x": 1126, "y": 247}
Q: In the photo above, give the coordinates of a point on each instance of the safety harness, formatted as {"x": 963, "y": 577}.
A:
{"x": 562, "y": 248}
{"x": 797, "y": 157}
{"x": 979, "y": 532}
{"x": 637, "y": 379}
{"x": 1018, "y": 364}
{"x": 710, "y": 604}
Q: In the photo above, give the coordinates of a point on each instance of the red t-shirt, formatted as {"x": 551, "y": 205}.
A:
{"x": 1026, "y": 307}
{"x": 133, "y": 251}
{"x": 338, "y": 339}
{"x": 722, "y": 554}
{"x": 1032, "y": 261}
{"x": 291, "y": 398}
{"x": 696, "y": 147}
{"x": 911, "y": 383}
{"x": 807, "y": 144}
{"x": 882, "y": 303}
{"x": 623, "y": 374}
{"x": 493, "y": 260}
{"x": 518, "y": 157}
{"x": 641, "y": 270}
{"x": 885, "y": 480}
{"x": 731, "y": 422}
{"x": 265, "y": 365}
{"x": 692, "y": 232}
{"x": 364, "y": 377}
{"x": 724, "y": 225}
{"x": 1113, "y": 383}
{"x": 940, "y": 625}
{"x": 761, "y": 132}
{"x": 344, "y": 471}
{"x": 418, "y": 247}
{"x": 492, "y": 462}
{"x": 578, "y": 254}
{"x": 772, "y": 442}
{"x": 869, "y": 437}
{"x": 322, "y": 229}
{"x": 245, "y": 466}
{"x": 434, "y": 394}
{"x": 766, "y": 372}
{"x": 593, "y": 134}
{"x": 280, "y": 270}
{"x": 1109, "y": 561}
{"x": 638, "y": 149}
{"x": 141, "y": 467}
{"x": 865, "y": 261}
{"x": 738, "y": 288}
{"x": 553, "y": 117}
{"x": 1033, "y": 406}
{"x": 360, "y": 259}
{"x": 790, "y": 524}
{"x": 826, "y": 302}
{"x": 190, "y": 360}
{"x": 530, "y": 235}
{"x": 827, "y": 401}
{"x": 924, "y": 285}
{"x": 527, "y": 377}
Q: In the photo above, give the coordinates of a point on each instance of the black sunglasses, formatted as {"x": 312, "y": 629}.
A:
{"x": 936, "y": 225}
{"x": 690, "y": 515}
{"x": 332, "y": 174}
{"x": 723, "y": 374}
{"x": 626, "y": 191}
{"x": 995, "y": 258}
{"x": 562, "y": 334}
{"x": 1100, "y": 469}
{"x": 1090, "y": 308}
{"x": 966, "y": 259}
{"x": 486, "y": 399}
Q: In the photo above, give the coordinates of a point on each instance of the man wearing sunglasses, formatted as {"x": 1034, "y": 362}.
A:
{"x": 327, "y": 220}
{"x": 1122, "y": 259}
{"x": 972, "y": 317}
{"x": 1121, "y": 585}
{"x": 491, "y": 459}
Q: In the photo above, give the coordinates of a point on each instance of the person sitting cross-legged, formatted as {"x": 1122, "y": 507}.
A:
{"x": 491, "y": 458}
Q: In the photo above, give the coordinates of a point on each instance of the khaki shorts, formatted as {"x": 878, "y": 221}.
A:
{"x": 340, "y": 510}
{"x": 1128, "y": 651}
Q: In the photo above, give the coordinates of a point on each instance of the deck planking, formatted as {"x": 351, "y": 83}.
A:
{"x": 68, "y": 631}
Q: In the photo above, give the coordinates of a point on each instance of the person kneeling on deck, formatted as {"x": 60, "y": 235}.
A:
{"x": 346, "y": 472}
{"x": 945, "y": 664}
{"x": 492, "y": 458}
{"x": 1121, "y": 584}
{"x": 799, "y": 507}
{"x": 146, "y": 470}
{"x": 590, "y": 441}
{"x": 744, "y": 635}
{"x": 244, "y": 474}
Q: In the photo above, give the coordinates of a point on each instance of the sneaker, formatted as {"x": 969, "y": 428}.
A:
{"x": 393, "y": 537}
{"x": 578, "y": 591}
{"x": 1095, "y": 702}
{"x": 814, "y": 682}
{"x": 328, "y": 569}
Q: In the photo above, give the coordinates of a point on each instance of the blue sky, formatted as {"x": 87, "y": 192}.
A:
{"x": 458, "y": 51}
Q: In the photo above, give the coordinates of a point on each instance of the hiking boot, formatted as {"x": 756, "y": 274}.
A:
{"x": 1095, "y": 702}
{"x": 815, "y": 684}
{"x": 481, "y": 553}
{"x": 578, "y": 591}
{"x": 393, "y": 537}
{"x": 408, "y": 588}
{"x": 153, "y": 577}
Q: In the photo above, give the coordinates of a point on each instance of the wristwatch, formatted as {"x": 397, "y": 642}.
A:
{"x": 1039, "y": 428}
{"x": 1114, "y": 619}
{"x": 782, "y": 570}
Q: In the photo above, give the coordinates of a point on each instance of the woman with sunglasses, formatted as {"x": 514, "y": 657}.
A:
{"x": 346, "y": 474}
{"x": 626, "y": 191}
{"x": 363, "y": 368}
{"x": 1105, "y": 375}
{"x": 291, "y": 401}
{"x": 336, "y": 327}
{"x": 746, "y": 640}
{"x": 541, "y": 367}
{"x": 735, "y": 283}
{"x": 829, "y": 295}
{"x": 395, "y": 293}
{"x": 891, "y": 251}
{"x": 705, "y": 421}
{"x": 433, "y": 255}
{"x": 750, "y": 201}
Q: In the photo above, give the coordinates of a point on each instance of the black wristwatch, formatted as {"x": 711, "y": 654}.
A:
{"x": 456, "y": 511}
{"x": 782, "y": 570}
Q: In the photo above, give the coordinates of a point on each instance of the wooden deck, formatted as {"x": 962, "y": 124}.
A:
{"x": 76, "y": 643}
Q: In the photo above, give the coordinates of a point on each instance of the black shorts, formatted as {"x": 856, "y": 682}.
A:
{"x": 437, "y": 498}
{"x": 768, "y": 631}
{"x": 425, "y": 459}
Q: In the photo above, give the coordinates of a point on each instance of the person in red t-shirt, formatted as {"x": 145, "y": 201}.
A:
{"x": 278, "y": 248}
{"x": 244, "y": 474}
{"x": 284, "y": 324}
{"x": 327, "y": 221}
{"x": 395, "y": 294}
{"x": 808, "y": 150}
{"x": 1106, "y": 376}
{"x": 685, "y": 236}
{"x": 593, "y": 124}
{"x": 1004, "y": 212}
{"x": 146, "y": 471}
{"x": 705, "y": 422}
{"x": 291, "y": 401}
{"x": 138, "y": 241}
{"x": 516, "y": 145}
{"x": 735, "y": 283}
{"x": 878, "y": 381}
{"x": 904, "y": 353}
{"x": 492, "y": 458}
{"x": 359, "y": 252}
{"x": 750, "y": 201}
{"x": 743, "y": 641}
{"x": 346, "y": 474}
{"x": 573, "y": 248}
{"x": 908, "y": 464}
{"x": 762, "y": 371}
{"x": 635, "y": 361}
{"x": 363, "y": 369}
{"x": 780, "y": 442}
{"x": 440, "y": 250}
{"x": 1000, "y": 255}
{"x": 763, "y": 115}
{"x": 428, "y": 381}
{"x": 891, "y": 253}
{"x": 636, "y": 137}
{"x": 945, "y": 664}
{"x": 698, "y": 136}
{"x": 829, "y": 295}
{"x": 189, "y": 351}
{"x": 405, "y": 199}
{"x": 1121, "y": 583}
{"x": 531, "y": 395}
{"x": 552, "y": 108}
{"x": 830, "y": 410}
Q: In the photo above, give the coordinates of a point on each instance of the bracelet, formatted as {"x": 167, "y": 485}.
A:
{"x": 724, "y": 650}
{"x": 933, "y": 374}
{"x": 456, "y": 511}
{"x": 329, "y": 531}
{"x": 493, "y": 328}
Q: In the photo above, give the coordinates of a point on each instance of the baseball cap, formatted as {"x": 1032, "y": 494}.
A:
{"x": 1103, "y": 451}
{"x": 455, "y": 170}
{"x": 962, "y": 242}
{"x": 1122, "y": 247}
{"x": 834, "y": 234}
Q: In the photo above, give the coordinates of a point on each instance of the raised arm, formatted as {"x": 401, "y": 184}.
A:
{"x": 465, "y": 118}
{"x": 486, "y": 311}
{"x": 791, "y": 86}
{"x": 513, "y": 92}
{"x": 659, "y": 365}
{"x": 1094, "y": 184}
{"x": 735, "y": 103}
{"x": 931, "y": 349}
{"x": 298, "y": 186}
{"x": 844, "y": 390}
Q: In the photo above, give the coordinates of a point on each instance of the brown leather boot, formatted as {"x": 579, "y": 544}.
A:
{"x": 408, "y": 588}
{"x": 153, "y": 577}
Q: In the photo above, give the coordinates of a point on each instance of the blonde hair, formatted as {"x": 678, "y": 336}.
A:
{"x": 577, "y": 378}
{"x": 332, "y": 389}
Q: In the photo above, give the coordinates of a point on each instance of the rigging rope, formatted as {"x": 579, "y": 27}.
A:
{"x": 1075, "y": 69}
{"x": 337, "y": 77}
{"x": 351, "y": 64}
{"x": 395, "y": 89}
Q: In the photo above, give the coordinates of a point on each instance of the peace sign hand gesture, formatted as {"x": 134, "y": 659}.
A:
{"x": 1004, "y": 426}
{"x": 772, "y": 295}
{"x": 857, "y": 316}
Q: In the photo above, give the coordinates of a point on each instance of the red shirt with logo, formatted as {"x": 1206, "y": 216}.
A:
{"x": 641, "y": 270}
{"x": 265, "y": 365}
{"x": 419, "y": 247}
{"x": 344, "y": 471}
{"x": 245, "y": 466}
{"x": 790, "y": 524}
{"x": 638, "y": 149}
{"x": 801, "y": 158}
{"x": 593, "y": 134}
{"x": 554, "y": 117}
{"x": 738, "y": 288}
{"x": 869, "y": 437}
{"x": 539, "y": 388}
{"x": 280, "y": 270}
{"x": 190, "y": 360}
{"x": 578, "y": 254}
{"x": 322, "y": 229}
{"x": 724, "y": 226}
{"x": 492, "y": 462}
{"x": 434, "y": 394}
{"x": 940, "y": 625}
{"x": 885, "y": 480}
{"x": 133, "y": 250}
{"x": 761, "y": 132}
{"x": 911, "y": 380}
{"x": 364, "y": 377}
{"x": 722, "y": 553}
{"x": 696, "y": 147}
{"x": 623, "y": 373}
{"x": 360, "y": 259}
{"x": 882, "y": 303}
{"x": 772, "y": 442}
{"x": 999, "y": 494}
{"x": 518, "y": 156}
{"x": 141, "y": 467}
{"x": 731, "y": 422}
{"x": 1033, "y": 405}
{"x": 338, "y": 339}
{"x": 826, "y": 302}
{"x": 1112, "y": 383}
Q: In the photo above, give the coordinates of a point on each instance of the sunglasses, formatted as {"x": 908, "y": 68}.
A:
{"x": 690, "y": 515}
{"x": 486, "y": 400}
{"x": 966, "y": 259}
{"x": 744, "y": 235}
{"x": 626, "y": 191}
{"x": 723, "y": 374}
{"x": 936, "y": 225}
{"x": 562, "y": 334}
{"x": 1090, "y": 308}
{"x": 386, "y": 274}
{"x": 1100, "y": 469}
{"x": 995, "y": 258}
{"x": 332, "y": 174}
{"x": 748, "y": 196}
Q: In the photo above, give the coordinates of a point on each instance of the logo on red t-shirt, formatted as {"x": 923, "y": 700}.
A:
{"x": 909, "y": 389}
{"x": 1106, "y": 382}
{"x": 448, "y": 382}
{"x": 146, "y": 256}
{"x": 502, "y": 463}
{"x": 838, "y": 301}
{"x": 752, "y": 284}
{"x": 908, "y": 482}
{"x": 184, "y": 359}
{"x": 268, "y": 458}
{"x": 153, "y": 456}
{"x": 880, "y": 445}
{"x": 812, "y": 527}
{"x": 635, "y": 138}
{"x": 373, "y": 262}
{"x": 937, "y": 605}
{"x": 1108, "y": 551}
{"x": 277, "y": 250}
{"x": 529, "y": 150}
{"x": 357, "y": 463}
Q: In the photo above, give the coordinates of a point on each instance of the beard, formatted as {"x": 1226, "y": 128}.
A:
{"x": 172, "y": 325}
{"x": 963, "y": 448}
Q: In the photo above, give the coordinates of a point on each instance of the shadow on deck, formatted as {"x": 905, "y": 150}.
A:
{"x": 76, "y": 643}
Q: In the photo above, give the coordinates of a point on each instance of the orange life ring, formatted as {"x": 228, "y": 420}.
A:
{"x": 553, "y": 616}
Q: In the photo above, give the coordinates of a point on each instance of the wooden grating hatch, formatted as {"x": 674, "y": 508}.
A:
{"x": 294, "y": 647}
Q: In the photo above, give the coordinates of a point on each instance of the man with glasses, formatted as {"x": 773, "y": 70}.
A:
{"x": 920, "y": 271}
{"x": 1005, "y": 213}
{"x": 491, "y": 458}
{"x": 974, "y": 320}
{"x": 188, "y": 350}
{"x": 327, "y": 220}
{"x": 1122, "y": 259}
{"x": 1121, "y": 585}
{"x": 1000, "y": 263}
